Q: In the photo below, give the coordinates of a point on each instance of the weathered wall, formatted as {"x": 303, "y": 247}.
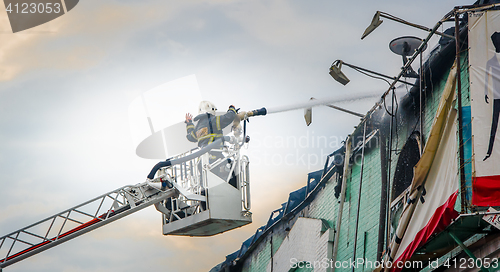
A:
{"x": 279, "y": 244}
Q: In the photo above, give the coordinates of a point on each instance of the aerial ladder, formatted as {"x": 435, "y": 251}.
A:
{"x": 196, "y": 196}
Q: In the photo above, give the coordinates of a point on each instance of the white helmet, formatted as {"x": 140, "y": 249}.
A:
{"x": 207, "y": 106}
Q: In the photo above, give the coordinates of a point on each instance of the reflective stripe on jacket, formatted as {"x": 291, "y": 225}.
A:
{"x": 208, "y": 127}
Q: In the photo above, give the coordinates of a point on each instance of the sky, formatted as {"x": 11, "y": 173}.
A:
{"x": 65, "y": 89}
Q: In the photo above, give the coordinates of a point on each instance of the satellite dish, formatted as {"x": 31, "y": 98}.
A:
{"x": 406, "y": 46}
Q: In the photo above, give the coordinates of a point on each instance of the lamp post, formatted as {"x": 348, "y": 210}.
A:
{"x": 376, "y": 21}
{"x": 308, "y": 112}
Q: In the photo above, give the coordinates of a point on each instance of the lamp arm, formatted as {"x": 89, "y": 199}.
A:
{"x": 375, "y": 73}
{"x": 399, "y": 20}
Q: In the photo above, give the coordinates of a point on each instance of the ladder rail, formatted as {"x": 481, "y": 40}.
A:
{"x": 188, "y": 193}
{"x": 245, "y": 183}
{"x": 134, "y": 198}
{"x": 67, "y": 210}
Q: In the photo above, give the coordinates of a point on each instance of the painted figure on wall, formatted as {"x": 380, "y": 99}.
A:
{"x": 493, "y": 69}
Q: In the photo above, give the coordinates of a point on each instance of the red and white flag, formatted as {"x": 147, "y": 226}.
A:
{"x": 434, "y": 187}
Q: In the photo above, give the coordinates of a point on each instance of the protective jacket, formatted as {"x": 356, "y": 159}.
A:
{"x": 208, "y": 127}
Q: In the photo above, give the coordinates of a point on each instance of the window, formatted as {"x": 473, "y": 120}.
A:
{"x": 408, "y": 158}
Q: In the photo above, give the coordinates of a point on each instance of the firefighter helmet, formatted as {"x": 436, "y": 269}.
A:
{"x": 207, "y": 106}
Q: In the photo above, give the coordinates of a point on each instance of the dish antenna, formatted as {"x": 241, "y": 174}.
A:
{"x": 406, "y": 46}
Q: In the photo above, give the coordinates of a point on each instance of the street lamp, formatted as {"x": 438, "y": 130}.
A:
{"x": 308, "y": 112}
{"x": 376, "y": 22}
{"x": 338, "y": 75}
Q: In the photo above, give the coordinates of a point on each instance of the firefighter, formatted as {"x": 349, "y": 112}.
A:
{"x": 209, "y": 126}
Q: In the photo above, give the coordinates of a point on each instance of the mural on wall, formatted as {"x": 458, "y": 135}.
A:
{"x": 484, "y": 60}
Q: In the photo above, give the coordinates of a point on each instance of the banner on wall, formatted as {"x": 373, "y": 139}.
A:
{"x": 484, "y": 61}
{"x": 436, "y": 211}
{"x": 436, "y": 173}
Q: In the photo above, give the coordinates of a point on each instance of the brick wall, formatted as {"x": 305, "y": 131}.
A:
{"x": 304, "y": 247}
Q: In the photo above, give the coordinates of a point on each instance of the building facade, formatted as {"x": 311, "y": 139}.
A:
{"x": 406, "y": 186}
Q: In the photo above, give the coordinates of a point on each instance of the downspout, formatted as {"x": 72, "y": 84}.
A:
{"x": 359, "y": 193}
{"x": 421, "y": 149}
{"x": 272, "y": 260}
{"x": 388, "y": 191}
{"x": 460, "y": 117}
{"x": 342, "y": 198}
{"x": 383, "y": 196}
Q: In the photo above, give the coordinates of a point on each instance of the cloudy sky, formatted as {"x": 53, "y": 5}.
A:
{"x": 65, "y": 89}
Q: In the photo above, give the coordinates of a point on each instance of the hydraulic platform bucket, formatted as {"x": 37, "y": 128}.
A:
{"x": 216, "y": 197}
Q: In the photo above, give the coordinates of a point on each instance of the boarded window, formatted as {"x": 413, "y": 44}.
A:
{"x": 408, "y": 158}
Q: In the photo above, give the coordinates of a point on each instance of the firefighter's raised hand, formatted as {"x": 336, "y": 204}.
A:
{"x": 189, "y": 118}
